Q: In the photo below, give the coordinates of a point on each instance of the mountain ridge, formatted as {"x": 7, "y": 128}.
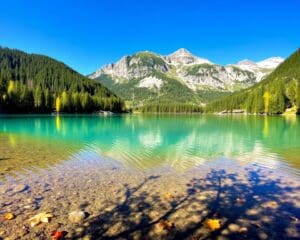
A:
{"x": 190, "y": 71}
{"x": 185, "y": 57}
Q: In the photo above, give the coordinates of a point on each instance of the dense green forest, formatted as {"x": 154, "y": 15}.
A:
{"x": 164, "y": 107}
{"x": 39, "y": 84}
{"x": 279, "y": 91}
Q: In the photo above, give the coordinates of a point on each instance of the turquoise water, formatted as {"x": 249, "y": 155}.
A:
{"x": 150, "y": 141}
{"x": 130, "y": 173}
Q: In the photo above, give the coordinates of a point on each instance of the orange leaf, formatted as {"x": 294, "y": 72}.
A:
{"x": 213, "y": 224}
{"x": 58, "y": 235}
{"x": 9, "y": 216}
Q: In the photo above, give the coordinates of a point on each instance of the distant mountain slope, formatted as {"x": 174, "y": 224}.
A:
{"x": 260, "y": 69}
{"x": 36, "y": 83}
{"x": 180, "y": 77}
{"x": 279, "y": 91}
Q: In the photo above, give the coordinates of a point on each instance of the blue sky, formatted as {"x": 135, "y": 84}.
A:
{"x": 87, "y": 34}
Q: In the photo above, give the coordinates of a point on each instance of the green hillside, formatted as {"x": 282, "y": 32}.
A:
{"x": 278, "y": 92}
{"x": 171, "y": 96}
{"x": 36, "y": 83}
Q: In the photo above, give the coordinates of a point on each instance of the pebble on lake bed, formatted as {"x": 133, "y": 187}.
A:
{"x": 19, "y": 188}
{"x": 243, "y": 230}
{"x": 233, "y": 227}
{"x": 270, "y": 204}
{"x": 77, "y": 216}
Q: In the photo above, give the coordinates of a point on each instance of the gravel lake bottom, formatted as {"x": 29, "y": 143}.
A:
{"x": 247, "y": 201}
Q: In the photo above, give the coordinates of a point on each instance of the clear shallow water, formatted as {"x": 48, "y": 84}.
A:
{"x": 149, "y": 141}
{"x": 128, "y": 173}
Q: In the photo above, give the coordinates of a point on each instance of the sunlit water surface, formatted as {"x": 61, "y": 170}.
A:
{"x": 144, "y": 142}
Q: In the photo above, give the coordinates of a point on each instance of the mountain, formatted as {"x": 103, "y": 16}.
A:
{"x": 37, "y": 83}
{"x": 181, "y": 77}
{"x": 277, "y": 93}
{"x": 260, "y": 69}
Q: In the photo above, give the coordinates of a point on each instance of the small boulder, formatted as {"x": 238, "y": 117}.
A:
{"x": 77, "y": 216}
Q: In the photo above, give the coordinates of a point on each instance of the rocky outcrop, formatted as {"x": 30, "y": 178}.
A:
{"x": 209, "y": 76}
{"x": 136, "y": 66}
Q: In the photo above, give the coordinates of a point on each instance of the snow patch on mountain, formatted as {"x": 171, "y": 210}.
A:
{"x": 270, "y": 63}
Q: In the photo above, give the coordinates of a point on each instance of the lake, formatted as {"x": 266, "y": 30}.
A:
{"x": 151, "y": 176}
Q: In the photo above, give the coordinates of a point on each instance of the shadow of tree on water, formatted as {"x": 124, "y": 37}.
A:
{"x": 254, "y": 206}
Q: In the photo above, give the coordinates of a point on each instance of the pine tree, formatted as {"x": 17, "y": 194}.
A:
{"x": 39, "y": 99}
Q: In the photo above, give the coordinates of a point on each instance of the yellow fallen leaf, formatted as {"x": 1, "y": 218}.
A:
{"x": 41, "y": 217}
{"x": 9, "y": 216}
{"x": 213, "y": 224}
{"x": 34, "y": 222}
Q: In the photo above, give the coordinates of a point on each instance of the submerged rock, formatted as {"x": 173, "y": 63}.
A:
{"x": 262, "y": 236}
{"x": 77, "y": 216}
{"x": 19, "y": 188}
{"x": 234, "y": 227}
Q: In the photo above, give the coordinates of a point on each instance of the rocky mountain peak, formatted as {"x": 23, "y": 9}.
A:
{"x": 182, "y": 51}
{"x": 183, "y": 57}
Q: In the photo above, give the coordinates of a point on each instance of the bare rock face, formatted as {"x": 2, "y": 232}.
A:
{"x": 214, "y": 77}
{"x": 136, "y": 66}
